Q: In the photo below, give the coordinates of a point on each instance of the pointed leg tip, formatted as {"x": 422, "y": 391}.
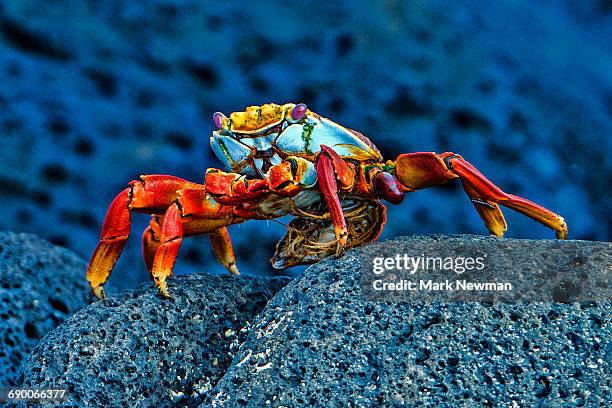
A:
{"x": 342, "y": 238}
{"x": 98, "y": 292}
{"x": 562, "y": 232}
{"x": 162, "y": 288}
{"x": 233, "y": 269}
{"x": 163, "y": 291}
{"x": 340, "y": 250}
{"x": 498, "y": 234}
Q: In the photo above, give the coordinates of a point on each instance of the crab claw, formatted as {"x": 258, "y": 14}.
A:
{"x": 299, "y": 111}
{"x": 386, "y": 186}
{"x": 220, "y": 120}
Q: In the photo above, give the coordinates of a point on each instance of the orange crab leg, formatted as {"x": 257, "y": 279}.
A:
{"x": 150, "y": 242}
{"x": 152, "y": 194}
{"x": 169, "y": 244}
{"x": 115, "y": 232}
{"x": 474, "y": 180}
{"x": 233, "y": 188}
{"x": 222, "y": 247}
{"x": 334, "y": 173}
{"x": 193, "y": 213}
{"x": 219, "y": 239}
{"x": 425, "y": 169}
{"x": 329, "y": 188}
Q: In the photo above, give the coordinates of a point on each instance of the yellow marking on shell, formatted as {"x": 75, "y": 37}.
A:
{"x": 257, "y": 118}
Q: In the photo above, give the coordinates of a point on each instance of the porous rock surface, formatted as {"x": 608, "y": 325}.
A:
{"x": 318, "y": 343}
{"x": 41, "y": 285}
{"x": 137, "y": 349}
{"x": 96, "y": 93}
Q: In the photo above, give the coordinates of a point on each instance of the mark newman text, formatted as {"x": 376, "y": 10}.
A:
{"x": 447, "y": 285}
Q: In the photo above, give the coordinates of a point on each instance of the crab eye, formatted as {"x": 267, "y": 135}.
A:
{"x": 298, "y": 111}
{"x": 220, "y": 120}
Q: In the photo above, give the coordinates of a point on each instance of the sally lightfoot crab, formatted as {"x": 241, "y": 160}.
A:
{"x": 287, "y": 160}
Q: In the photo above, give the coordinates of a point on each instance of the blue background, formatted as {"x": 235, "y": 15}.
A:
{"x": 95, "y": 93}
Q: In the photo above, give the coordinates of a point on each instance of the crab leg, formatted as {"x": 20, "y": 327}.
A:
{"x": 334, "y": 173}
{"x": 193, "y": 213}
{"x": 472, "y": 179}
{"x": 150, "y": 242}
{"x": 115, "y": 232}
{"x": 169, "y": 244}
{"x": 233, "y": 188}
{"x": 222, "y": 247}
{"x": 154, "y": 194}
{"x": 425, "y": 169}
{"x": 219, "y": 239}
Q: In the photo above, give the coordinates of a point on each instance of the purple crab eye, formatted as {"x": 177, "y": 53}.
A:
{"x": 219, "y": 119}
{"x": 298, "y": 111}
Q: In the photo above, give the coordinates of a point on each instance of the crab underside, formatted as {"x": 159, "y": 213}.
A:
{"x": 311, "y": 238}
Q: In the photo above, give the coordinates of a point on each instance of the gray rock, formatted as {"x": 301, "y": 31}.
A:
{"x": 318, "y": 343}
{"x": 137, "y": 349}
{"x": 41, "y": 285}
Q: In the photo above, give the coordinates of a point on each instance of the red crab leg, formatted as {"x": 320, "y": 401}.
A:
{"x": 425, "y": 169}
{"x": 222, "y": 247}
{"x": 334, "y": 173}
{"x": 169, "y": 243}
{"x": 233, "y": 188}
{"x": 219, "y": 239}
{"x": 115, "y": 232}
{"x": 473, "y": 180}
{"x": 193, "y": 213}
{"x": 153, "y": 193}
{"x": 150, "y": 242}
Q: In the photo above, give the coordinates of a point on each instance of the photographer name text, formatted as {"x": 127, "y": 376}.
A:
{"x": 434, "y": 286}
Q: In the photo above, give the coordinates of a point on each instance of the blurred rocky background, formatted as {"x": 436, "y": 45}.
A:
{"x": 96, "y": 92}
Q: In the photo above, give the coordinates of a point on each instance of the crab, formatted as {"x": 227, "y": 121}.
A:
{"x": 287, "y": 160}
